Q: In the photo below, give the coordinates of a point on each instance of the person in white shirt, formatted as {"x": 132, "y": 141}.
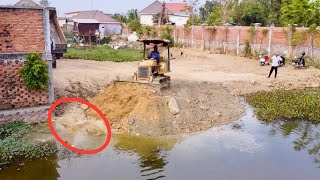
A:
{"x": 275, "y": 64}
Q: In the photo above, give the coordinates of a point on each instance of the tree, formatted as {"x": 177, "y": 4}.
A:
{"x": 296, "y": 12}
{"x": 227, "y": 7}
{"x": 192, "y": 4}
{"x": 253, "y": 12}
{"x": 315, "y": 12}
{"x": 215, "y": 17}
{"x": 194, "y": 20}
{"x": 120, "y": 17}
{"x": 274, "y": 12}
{"x": 133, "y": 14}
{"x": 206, "y": 9}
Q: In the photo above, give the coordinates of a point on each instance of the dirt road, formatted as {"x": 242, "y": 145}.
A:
{"x": 205, "y": 85}
{"x": 233, "y": 72}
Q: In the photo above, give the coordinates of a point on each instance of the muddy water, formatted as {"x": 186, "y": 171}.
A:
{"x": 244, "y": 150}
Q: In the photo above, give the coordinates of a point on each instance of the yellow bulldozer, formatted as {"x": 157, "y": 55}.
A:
{"x": 152, "y": 71}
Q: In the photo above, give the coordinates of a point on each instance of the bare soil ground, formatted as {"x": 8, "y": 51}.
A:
{"x": 206, "y": 87}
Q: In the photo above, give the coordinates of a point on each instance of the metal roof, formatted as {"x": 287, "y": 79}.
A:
{"x": 94, "y": 16}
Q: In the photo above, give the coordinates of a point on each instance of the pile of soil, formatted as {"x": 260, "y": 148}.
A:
{"x": 135, "y": 109}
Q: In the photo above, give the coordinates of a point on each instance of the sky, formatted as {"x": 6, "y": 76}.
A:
{"x": 107, "y": 6}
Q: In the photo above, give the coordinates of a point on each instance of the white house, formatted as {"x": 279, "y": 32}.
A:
{"x": 89, "y": 23}
{"x": 178, "y": 13}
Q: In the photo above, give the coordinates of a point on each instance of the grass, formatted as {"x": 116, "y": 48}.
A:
{"x": 104, "y": 53}
{"x": 293, "y": 104}
{"x": 15, "y": 144}
{"x": 314, "y": 63}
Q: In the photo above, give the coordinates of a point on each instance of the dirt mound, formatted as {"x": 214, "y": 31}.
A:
{"x": 125, "y": 103}
{"x": 135, "y": 109}
{"x": 120, "y": 100}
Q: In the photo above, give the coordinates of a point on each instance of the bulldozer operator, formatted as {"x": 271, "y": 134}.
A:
{"x": 155, "y": 54}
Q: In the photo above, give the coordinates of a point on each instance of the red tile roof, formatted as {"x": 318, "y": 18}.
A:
{"x": 177, "y": 7}
{"x": 171, "y": 8}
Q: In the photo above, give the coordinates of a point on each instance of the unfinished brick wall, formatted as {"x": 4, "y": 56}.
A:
{"x": 21, "y": 31}
{"x": 13, "y": 92}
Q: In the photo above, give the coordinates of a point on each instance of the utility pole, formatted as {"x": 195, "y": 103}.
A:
{"x": 48, "y": 55}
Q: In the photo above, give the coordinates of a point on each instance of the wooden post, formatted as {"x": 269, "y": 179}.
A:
{"x": 48, "y": 55}
{"x": 238, "y": 41}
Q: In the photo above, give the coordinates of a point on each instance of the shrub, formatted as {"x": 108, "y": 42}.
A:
{"x": 106, "y": 40}
{"x": 35, "y": 72}
{"x": 135, "y": 25}
{"x": 167, "y": 35}
{"x": 247, "y": 50}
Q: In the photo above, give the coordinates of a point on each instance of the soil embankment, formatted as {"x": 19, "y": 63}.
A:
{"x": 205, "y": 86}
{"x": 135, "y": 109}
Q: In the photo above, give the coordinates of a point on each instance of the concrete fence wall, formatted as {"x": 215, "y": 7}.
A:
{"x": 232, "y": 39}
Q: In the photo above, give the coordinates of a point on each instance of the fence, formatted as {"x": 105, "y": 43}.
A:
{"x": 234, "y": 39}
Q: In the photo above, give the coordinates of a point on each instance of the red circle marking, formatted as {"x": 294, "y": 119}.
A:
{"x": 55, "y": 134}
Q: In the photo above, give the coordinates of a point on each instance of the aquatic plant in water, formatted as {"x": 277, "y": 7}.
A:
{"x": 15, "y": 144}
{"x": 294, "y": 104}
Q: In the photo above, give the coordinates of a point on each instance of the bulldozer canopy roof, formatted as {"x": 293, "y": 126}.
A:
{"x": 154, "y": 41}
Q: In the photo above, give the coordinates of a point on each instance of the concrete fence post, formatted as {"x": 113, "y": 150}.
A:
{"x": 174, "y": 34}
{"x": 183, "y": 38}
{"x": 192, "y": 37}
{"x": 203, "y": 42}
{"x": 238, "y": 40}
{"x": 270, "y": 39}
{"x": 214, "y": 38}
{"x": 48, "y": 55}
{"x": 310, "y": 47}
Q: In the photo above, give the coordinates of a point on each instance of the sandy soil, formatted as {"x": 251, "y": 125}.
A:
{"x": 206, "y": 87}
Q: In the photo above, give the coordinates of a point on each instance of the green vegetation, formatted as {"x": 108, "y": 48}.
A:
{"x": 14, "y": 143}
{"x": 104, "y": 53}
{"x": 35, "y": 72}
{"x": 167, "y": 35}
{"x": 248, "y": 12}
{"x": 294, "y": 104}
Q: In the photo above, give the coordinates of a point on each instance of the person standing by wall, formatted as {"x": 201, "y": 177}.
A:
{"x": 275, "y": 64}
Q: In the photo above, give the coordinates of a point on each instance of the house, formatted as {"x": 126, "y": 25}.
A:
{"x": 178, "y": 13}
{"x": 89, "y": 24}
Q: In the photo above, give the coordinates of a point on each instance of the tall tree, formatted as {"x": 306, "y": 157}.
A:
{"x": 206, "y": 9}
{"x": 253, "y": 12}
{"x": 120, "y": 17}
{"x": 132, "y": 14}
{"x": 296, "y": 12}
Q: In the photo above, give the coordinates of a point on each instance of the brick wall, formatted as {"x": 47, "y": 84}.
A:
{"x": 13, "y": 92}
{"x": 218, "y": 37}
{"x": 21, "y": 30}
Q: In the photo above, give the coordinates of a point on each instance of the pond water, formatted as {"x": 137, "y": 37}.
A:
{"x": 247, "y": 149}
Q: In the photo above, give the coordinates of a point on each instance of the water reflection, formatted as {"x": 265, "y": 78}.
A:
{"x": 151, "y": 152}
{"x": 307, "y": 136}
{"x": 37, "y": 169}
{"x": 242, "y": 151}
